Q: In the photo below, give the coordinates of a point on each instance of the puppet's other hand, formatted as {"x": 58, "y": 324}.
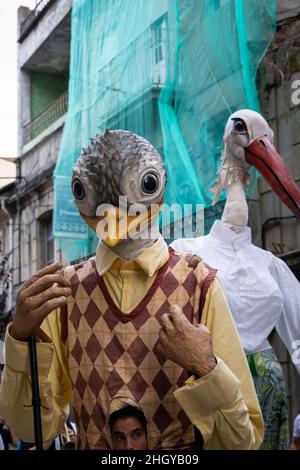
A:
{"x": 40, "y": 295}
{"x": 187, "y": 345}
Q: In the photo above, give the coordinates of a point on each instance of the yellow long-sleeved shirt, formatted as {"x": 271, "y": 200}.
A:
{"x": 223, "y": 404}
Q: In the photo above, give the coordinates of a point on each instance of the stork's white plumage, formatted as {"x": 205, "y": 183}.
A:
{"x": 262, "y": 291}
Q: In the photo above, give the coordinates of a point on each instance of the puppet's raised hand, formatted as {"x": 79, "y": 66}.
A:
{"x": 188, "y": 345}
{"x": 43, "y": 292}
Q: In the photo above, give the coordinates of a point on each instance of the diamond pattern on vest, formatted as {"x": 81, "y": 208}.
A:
{"x": 184, "y": 420}
{"x": 139, "y": 320}
{"x": 114, "y": 383}
{"x": 163, "y": 309}
{"x": 93, "y": 348}
{"x": 75, "y": 316}
{"x": 159, "y": 356}
{"x": 190, "y": 283}
{"x": 74, "y": 283}
{"x": 114, "y": 350}
{"x": 81, "y": 299}
{"x": 95, "y": 382}
{"x": 77, "y": 351}
{"x": 89, "y": 283}
{"x": 173, "y": 261}
{"x": 98, "y": 417}
{"x": 80, "y": 385}
{"x": 110, "y": 319}
{"x": 109, "y": 357}
{"x": 182, "y": 378}
{"x": 138, "y": 351}
{"x": 161, "y": 418}
{"x": 91, "y": 313}
{"x": 137, "y": 386}
{"x": 85, "y": 417}
{"x": 187, "y": 311}
{"x": 101, "y": 444}
{"x": 161, "y": 384}
{"x": 170, "y": 284}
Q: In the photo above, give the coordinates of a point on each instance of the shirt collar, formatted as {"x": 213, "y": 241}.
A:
{"x": 150, "y": 261}
{"x": 225, "y": 235}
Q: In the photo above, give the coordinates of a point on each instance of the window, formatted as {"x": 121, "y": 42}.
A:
{"x": 158, "y": 44}
{"x": 158, "y": 32}
{"x": 46, "y": 240}
{"x": 158, "y": 40}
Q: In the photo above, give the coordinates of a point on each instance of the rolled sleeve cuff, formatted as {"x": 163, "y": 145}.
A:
{"x": 17, "y": 354}
{"x": 215, "y": 390}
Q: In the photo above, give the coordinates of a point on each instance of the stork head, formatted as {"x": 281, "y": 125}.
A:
{"x": 117, "y": 171}
{"x": 248, "y": 140}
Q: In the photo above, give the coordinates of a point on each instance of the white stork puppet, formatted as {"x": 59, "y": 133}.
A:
{"x": 262, "y": 292}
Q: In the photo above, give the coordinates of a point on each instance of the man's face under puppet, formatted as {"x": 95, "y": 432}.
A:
{"x": 129, "y": 434}
{"x": 118, "y": 185}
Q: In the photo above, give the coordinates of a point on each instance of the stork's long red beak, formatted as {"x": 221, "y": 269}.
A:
{"x": 263, "y": 155}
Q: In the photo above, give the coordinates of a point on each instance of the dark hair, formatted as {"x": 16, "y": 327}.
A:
{"x": 128, "y": 412}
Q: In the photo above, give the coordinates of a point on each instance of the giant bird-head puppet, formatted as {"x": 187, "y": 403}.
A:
{"x": 248, "y": 140}
{"x": 117, "y": 171}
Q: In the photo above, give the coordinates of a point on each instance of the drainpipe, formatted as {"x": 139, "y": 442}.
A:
{"x": 10, "y": 251}
{"x": 19, "y": 177}
{"x": 274, "y": 220}
{"x": 10, "y": 262}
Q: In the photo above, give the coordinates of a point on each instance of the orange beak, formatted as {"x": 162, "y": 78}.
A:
{"x": 263, "y": 155}
{"x": 116, "y": 225}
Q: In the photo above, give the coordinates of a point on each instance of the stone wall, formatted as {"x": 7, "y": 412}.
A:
{"x": 41, "y": 156}
{"x": 277, "y": 73}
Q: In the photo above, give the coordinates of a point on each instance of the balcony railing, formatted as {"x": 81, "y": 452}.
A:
{"x": 146, "y": 59}
{"x": 47, "y": 117}
{"x": 34, "y": 17}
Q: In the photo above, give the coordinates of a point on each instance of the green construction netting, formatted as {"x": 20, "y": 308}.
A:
{"x": 169, "y": 70}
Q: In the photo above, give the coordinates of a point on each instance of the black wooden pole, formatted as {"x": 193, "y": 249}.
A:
{"x": 36, "y": 401}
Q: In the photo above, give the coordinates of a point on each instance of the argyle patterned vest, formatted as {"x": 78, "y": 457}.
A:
{"x": 112, "y": 354}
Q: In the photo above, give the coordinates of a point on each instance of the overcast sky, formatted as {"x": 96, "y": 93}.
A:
{"x": 8, "y": 75}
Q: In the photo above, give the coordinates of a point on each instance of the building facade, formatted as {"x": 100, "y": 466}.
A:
{"x": 43, "y": 67}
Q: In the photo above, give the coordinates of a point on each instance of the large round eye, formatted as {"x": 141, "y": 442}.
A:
{"x": 150, "y": 183}
{"x": 239, "y": 125}
{"x": 78, "y": 189}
